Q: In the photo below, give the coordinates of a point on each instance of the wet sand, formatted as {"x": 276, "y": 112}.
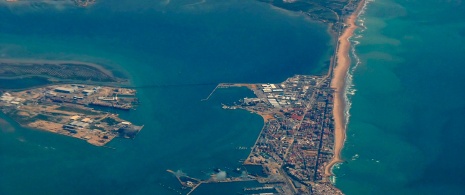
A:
{"x": 338, "y": 82}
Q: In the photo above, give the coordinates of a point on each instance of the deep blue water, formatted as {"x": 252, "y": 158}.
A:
{"x": 154, "y": 43}
{"x": 406, "y": 131}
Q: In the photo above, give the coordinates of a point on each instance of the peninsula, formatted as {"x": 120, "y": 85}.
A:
{"x": 304, "y": 124}
{"x": 297, "y": 140}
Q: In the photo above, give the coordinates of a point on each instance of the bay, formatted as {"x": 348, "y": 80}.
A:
{"x": 177, "y": 52}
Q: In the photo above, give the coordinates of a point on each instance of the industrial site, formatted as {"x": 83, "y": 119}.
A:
{"x": 85, "y": 112}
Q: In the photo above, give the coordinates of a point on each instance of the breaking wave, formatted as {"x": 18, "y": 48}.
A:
{"x": 350, "y": 89}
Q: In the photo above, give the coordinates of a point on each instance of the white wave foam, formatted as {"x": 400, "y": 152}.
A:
{"x": 376, "y": 161}
{"x": 364, "y": 7}
{"x": 333, "y": 178}
{"x": 350, "y": 90}
{"x": 360, "y": 16}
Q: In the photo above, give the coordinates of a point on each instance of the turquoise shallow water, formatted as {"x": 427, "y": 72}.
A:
{"x": 155, "y": 43}
{"x": 406, "y": 130}
{"x": 405, "y": 134}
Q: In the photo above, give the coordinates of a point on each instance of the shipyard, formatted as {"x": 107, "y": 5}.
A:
{"x": 81, "y": 111}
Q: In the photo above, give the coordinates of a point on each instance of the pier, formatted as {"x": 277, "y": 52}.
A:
{"x": 258, "y": 188}
{"x": 190, "y": 181}
{"x": 208, "y": 97}
{"x": 194, "y": 183}
{"x": 228, "y": 85}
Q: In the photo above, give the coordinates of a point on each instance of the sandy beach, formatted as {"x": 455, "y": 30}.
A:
{"x": 338, "y": 83}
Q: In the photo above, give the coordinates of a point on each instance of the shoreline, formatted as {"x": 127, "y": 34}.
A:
{"x": 117, "y": 81}
{"x": 338, "y": 83}
{"x": 27, "y": 62}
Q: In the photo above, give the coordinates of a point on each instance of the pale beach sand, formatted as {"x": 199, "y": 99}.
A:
{"x": 338, "y": 83}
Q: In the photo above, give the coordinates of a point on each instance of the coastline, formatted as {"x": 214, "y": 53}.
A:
{"x": 55, "y": 62}
{"x": 91, "y": 68}
{"x": 338, "y": 83}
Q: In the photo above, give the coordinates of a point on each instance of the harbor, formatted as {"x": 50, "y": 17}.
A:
{"x": 296, "y": 142}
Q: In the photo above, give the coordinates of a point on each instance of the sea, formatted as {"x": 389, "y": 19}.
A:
{"x": 406, "y": 126}
{"x": 405, "y": 94}
{"x": 174, "y": 52}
